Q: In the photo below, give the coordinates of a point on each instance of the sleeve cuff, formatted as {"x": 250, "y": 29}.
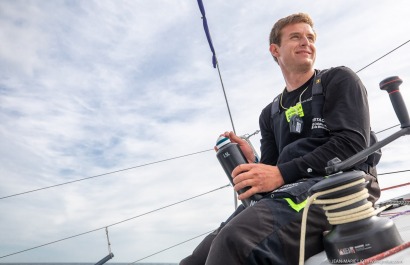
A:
{"x": 290, "y": 172}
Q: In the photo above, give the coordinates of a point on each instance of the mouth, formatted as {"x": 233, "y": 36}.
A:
{"x": 304, "y": 52}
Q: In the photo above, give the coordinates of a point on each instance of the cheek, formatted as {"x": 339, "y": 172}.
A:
{"x": 313, "y": 49}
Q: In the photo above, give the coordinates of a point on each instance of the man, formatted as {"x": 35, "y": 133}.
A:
{"x": 295, "y": 148}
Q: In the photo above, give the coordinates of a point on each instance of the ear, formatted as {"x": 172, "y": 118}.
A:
{"x": 273, "y": 48}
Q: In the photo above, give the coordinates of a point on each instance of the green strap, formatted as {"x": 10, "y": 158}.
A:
{"x": 296, "y": 206}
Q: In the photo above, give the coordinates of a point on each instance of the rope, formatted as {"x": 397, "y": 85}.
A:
{"x": 235, "y": 196}
{"x": 391, "y": 127}
{"x": 396, "y": 186}
{"x": 245, "y": 136}
{"x": 104, "y": 227}
{"x": 393, "y": 172}
{"x": 374, "y": 259}
{"x": 226, "y": 98}
{"x": 183, "y": 242}
{"x": 347, "y": 216}
{"x": 383, "y": 56}
{"x": 400, "y": 213}
{"x": 104, "y": 174}
{"x": 393, "y": 215}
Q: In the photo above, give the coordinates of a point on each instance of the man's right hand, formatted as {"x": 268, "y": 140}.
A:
{"x": 245, "y": 147}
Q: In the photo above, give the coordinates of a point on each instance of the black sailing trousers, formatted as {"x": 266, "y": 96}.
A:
{"x": 265, "y": 233}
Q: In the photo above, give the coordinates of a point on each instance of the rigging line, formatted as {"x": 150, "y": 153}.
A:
{"x": 183, "y": 242}
{"x": 235, "y": 195}
{"x": 147, "y": 164}
{"x": 226, "y": 98}
{"x": 104, "y": 174}
{"x": 393, "y": 172}
{"x": 169, "y": 205}
{"x": 387, "y": 128}
{"x": 396, "y": 186}
{"x": 214, "y": 58}
{"x": 106, "y": 227}
{"x": 383, "y": 56}
{"x": 216, "y": 65}
{"x": 53, "y": 242}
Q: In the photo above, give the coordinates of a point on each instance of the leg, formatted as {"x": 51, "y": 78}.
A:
{"x": 267, "y": 233}
{"x": 199, "y": 255}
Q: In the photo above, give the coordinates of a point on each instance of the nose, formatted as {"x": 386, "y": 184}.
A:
{"x": 304, "y": 41}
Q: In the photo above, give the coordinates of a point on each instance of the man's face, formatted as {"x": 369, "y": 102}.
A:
{"x": 297, "y": 51}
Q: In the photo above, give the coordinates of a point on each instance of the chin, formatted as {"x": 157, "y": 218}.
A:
{"x": 306, "y": 67}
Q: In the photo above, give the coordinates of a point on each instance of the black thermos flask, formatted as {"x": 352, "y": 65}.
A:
{"x": 230, "y": 156}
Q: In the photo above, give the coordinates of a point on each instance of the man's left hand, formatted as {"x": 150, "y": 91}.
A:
{"x": 259, "y": 177}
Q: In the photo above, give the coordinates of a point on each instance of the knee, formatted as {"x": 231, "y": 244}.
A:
{"x": 228, "y": 245}
{"x": 230, "y": 235}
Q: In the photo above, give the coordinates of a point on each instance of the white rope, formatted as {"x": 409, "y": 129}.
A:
{"x": 342, "y": 217}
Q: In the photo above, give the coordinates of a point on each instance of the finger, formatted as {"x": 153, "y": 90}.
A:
{"x": 247, "y": 194}
{"x": 242, "y": 168}
{"x": 243, "y": 184}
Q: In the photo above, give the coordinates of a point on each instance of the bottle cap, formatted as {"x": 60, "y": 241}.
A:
{"x": 222, "y": 140}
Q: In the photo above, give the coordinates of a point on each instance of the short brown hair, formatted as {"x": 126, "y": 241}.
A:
{"x": 275, "y": 34}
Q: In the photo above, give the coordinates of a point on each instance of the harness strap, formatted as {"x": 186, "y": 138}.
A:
{"x": 275, "y": 106}
{"x": 318, "y": 100}
{"x": 319, "y": 126}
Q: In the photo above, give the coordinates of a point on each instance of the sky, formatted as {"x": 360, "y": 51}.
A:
{"x": 94, "y": 87}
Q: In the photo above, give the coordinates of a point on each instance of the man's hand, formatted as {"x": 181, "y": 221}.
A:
{"x": 259, "y": 177}
{"x": 245, "y": 147}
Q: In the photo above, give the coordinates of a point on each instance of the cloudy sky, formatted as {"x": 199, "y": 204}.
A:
{"x": 92, "y": 87}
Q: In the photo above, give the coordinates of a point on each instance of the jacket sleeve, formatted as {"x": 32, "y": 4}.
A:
{"x": 269, "y": 151}
{"x": 346, "y": 114}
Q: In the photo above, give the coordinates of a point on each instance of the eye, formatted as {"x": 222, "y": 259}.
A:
{"x": 311, "y": 38}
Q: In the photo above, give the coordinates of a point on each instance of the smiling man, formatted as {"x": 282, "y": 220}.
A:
{"x": 298, "y": 140}
{"x": 295, "y": 53}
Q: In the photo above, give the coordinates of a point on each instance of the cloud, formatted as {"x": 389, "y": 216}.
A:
{"x": 92, "y": 87}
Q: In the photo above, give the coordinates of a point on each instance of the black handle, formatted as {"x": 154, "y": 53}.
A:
{"x": 105, "y": 259}
{"x": 353, "y": 160}
{"x": 391, "y": 85}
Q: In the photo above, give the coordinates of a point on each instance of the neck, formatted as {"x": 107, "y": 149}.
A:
{"x": 295, "y": 80}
